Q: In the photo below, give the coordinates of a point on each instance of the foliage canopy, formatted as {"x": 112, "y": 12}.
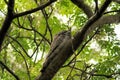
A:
{"x": 29, "y": 36}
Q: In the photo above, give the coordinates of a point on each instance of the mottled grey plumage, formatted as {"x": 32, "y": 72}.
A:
{"x": 58, "y": 39}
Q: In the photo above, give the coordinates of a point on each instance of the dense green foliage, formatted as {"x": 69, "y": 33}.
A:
{"x": 29, "y": 37}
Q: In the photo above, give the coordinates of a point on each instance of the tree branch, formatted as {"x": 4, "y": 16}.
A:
{"x": 35, "y": 9}
{"x": 81, "y": 35}
{"x": 117, "y": 1}
{"x": 10, "y": 71}
{"x": 26, "y": 64}
{"x": 81, "y": 4}
{"x": 110, "y": 19}
{"x": 7, "y": 22}
{"x": 20, "y": 46}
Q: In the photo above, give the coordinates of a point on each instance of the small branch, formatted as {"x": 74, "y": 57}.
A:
{"x": 19, "y": 45}
{"x": 71, "y": 70}
{"x": 10, "y": 71}
{"x": 37, "y": 44}
{"x": 91, "y": 73}
{"x": 83, "y": 47}
{"x": 35, "y": 9}
{"x": 47, "y": 24}
{"x": 6, "y": 2}
{"x": 6, "y": 45}
{"x": 46, "y": 16}
{"x": 43, "y": 36}
{"x": 112, "y": 11}
{"x": 117, "y": 1}
{"x": 105, "y": 75}
{"x": 27, "y": 68}
{"x": 33, "y": 29}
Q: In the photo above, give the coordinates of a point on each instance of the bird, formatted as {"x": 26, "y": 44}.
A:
{"x": 58, "y": 39}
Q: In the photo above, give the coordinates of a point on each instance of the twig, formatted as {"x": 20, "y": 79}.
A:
{"x": 112, "y": 11}
{"x": 19, "y": 45}
{"x": 71, "y": 70}
{"x": 10, "y": 71}
{"x": 83, "y": 46}
{"x": 24, "y": 60}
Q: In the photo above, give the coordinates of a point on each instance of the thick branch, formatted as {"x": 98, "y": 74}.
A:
{"x": 81, "y": 35}
{"x": 7, "y": 22}
{"x": 104, "y": 20}
{"x": 81, "y": 4}
{"x": 109, "y": 19}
